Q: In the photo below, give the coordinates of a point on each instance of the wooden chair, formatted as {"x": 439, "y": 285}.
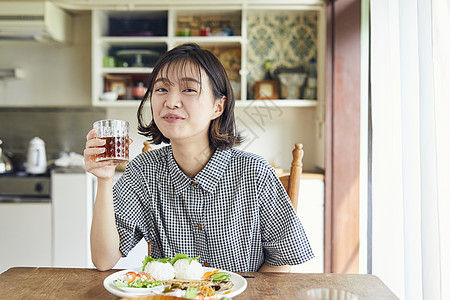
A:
{"x": 291, "y": 181}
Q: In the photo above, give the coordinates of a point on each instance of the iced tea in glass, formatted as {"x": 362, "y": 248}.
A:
{"x": 115, "y": 132}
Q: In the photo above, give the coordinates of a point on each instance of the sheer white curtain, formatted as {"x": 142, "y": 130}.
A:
{"x": 410, "y": 84}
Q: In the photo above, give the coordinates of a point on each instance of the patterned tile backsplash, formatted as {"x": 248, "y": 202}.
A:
{"x": 287, "y": 39}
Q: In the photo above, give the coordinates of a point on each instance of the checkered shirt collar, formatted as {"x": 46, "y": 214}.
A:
{"x": 206, "y": 179}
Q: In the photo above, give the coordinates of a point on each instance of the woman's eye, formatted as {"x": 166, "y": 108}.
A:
{"x": 189, "y": 90}
{"x": 161, "y": 90}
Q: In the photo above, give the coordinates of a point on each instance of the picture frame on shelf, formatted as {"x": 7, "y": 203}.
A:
{"x": 121, "y": 84}
{"x": 266, "y": 90}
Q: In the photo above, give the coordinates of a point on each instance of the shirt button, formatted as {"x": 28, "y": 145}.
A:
{"x": 199, "y": 226}
{"x": 206, "y": 264}
{"x": 194, "y": 183}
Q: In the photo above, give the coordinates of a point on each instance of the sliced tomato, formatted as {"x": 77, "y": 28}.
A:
{"x": 146, "y": 276}
{"x": 132, "y": 276}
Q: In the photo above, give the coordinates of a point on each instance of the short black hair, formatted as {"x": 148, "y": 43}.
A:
{"x": 222, "y": 130}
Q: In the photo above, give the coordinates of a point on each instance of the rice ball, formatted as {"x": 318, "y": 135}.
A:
{"x": 160, "y": 271}
{"x": 188, "y": 271}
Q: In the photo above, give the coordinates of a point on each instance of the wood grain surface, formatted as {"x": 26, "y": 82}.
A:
{"x": 70, "y": 283}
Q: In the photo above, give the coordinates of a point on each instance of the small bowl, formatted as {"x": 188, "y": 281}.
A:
{"x": 109, "y": 96}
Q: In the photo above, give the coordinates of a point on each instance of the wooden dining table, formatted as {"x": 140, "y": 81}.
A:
{"x": 78, "y": 283}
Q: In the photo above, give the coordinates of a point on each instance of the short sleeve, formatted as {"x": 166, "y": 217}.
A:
{"x": 128, "y": 209}
{"x": 283, "y": 238}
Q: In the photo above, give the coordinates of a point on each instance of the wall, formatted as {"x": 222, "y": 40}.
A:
{"x": 55, "y": 75}
{"x": 62, "y": 129}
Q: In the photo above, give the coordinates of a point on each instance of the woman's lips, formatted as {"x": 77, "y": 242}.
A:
{"x": 172, "y": 118}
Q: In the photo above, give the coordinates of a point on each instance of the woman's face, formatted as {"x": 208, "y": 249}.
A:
{"x": 183, "y": 104}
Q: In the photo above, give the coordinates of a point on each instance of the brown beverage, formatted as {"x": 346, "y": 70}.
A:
{"x": 117, "y": 149}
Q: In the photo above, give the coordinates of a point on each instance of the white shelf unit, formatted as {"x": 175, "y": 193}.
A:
{"x": 102, "y": 42}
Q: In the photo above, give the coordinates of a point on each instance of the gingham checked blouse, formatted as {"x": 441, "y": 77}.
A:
{"x": 234, "y": 213}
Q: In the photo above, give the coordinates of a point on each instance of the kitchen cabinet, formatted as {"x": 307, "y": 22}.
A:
{"x": 26, "y": 234}
{"x": 243, "y": 34}
{"x": 73, "y": 202}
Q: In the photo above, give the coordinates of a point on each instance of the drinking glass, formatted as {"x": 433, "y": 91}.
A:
{"x": 115, "y": 132}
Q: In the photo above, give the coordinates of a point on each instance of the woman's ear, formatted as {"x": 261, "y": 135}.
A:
{"x": 219, "y": 106}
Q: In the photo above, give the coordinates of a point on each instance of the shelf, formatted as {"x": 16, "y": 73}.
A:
{"x": 284, "y": 34}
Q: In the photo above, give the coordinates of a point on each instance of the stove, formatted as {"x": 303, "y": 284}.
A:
{"x": 23, "y": 187}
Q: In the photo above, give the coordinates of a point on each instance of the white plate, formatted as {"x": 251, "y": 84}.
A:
{"x": 239, "y": 285}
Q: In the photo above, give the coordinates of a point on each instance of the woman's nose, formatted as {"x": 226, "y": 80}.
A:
{"x": 173, "y": 100}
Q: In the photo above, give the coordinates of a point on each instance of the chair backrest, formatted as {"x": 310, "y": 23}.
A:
{"x": 291, "y": 182}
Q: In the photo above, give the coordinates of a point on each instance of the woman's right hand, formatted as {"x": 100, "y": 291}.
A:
{"x": 94, "y": 145}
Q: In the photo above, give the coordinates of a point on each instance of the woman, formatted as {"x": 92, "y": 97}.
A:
{"x": 198, "y": 195}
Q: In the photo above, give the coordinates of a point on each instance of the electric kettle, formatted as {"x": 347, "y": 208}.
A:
{"x": 36, "y": 158}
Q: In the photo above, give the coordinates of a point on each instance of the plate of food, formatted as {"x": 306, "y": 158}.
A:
{"x": 180, "y": 276}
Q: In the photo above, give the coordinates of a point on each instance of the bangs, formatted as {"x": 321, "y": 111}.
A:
{"x": 183, "y": 67}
